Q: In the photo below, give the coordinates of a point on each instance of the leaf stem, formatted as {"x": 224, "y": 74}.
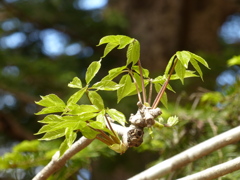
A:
{"x": 162, "y": 90}
{"x": 142, "y": 81}
{"x": 137, "y": 88}
{"x": 150, "y": 92}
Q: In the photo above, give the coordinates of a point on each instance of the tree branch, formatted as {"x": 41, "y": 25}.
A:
{"x": 190, "y": 155}
{"x": 56, "y": 163}
{"x": 215, "y": 171}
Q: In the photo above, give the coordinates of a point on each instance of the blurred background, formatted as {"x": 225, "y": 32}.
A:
{"x": 45, "y": 43}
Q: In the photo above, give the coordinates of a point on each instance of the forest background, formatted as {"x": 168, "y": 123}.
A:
{"x": 44, "y": 44}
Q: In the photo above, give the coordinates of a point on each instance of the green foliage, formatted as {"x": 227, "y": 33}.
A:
{"x": 234, "y": 61}
{"x": 90, "y": 119}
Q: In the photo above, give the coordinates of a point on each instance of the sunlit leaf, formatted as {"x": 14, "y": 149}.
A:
{"x": 188, "y": 74}
{"x": 51, "y": 119}
{"x": 184, "y": 57}
{"x": 125, "y": 89}
{"x": 124, "y": 41}
{"x": 75, "y": 83}
{"x": 144, "y": 71}
{"x": 114, "y": 73}
{"x": 109, "y": 47}
{"x": 76, "y": 96}
{"x": 106, "y": 85}
{"x": 96, "y": 99}
{"x": 133, "y": 52}
{"x": 235, "y": 60}
{"x": 50, "y": 100}
{"x": 53, "y": 134}
{"x": 180, "y": 71}
{"x": 117, "y": 116}
{"x": 109, "y": 39}
{"x": 119, "y": 148}
{"x": 83, "y": 109}
{"x": 197, "y": 67}
{"x": 53, "y": 109}
{"x": 169, "y": 65}
{"x": 172, "y": 121}
{"x": 92, "y": 70}
{"x": 89, "y": 132}
{"x": 200, "y": 59}
{"x": 164, "y": 99}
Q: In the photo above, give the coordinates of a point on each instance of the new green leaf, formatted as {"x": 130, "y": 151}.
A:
{"x": 75, "y": 83}
{"x": 96, "y": 99}
{"x": 133, "y": 52}
{"x": 117, "y": 116}
{"x": 92, "y": 70}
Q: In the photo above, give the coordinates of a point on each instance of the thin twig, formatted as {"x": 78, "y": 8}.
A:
{"x": 137, "y": 88}
{"x": 150, "y": 92}
{"x": 162, "y": 90}
{"x": 142, "y": 80}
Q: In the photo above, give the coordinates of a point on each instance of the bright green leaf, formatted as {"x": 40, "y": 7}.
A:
{"x": 53, "y": 134}
{"x": 188, "y": 74}
{"x": 119, "y": 148}
{"x": 50, "y": 100}
{"x": 92, "y": 70}
{"x": 51, "y": 119}
{"x": 123, "y": 91}
{"x": 164, "y": 100}
{"x": 200, "y": 59}
{"x": 169, "y": 65}
{"x": 114, "y": 73}
{"x": 133, "y": 52}
{"x": 53, "y": 109}
{"x": 109, "y": 47}
{"x": 124, "y": 41}
{"x": 110, "y": 39}
{"x": 89, "y": 132}
{"x": 106, "y": 85}
{"x": 76, "y": 97}
{"x": 235, "y": 60}
{"x": 83, "y": 109}
{"x": 172, "y": 121}
{"x": 144, "y": 71}
{"x": 117, "y": 116}
{"x": 96, "y": 99}
{"x": 75, "y": 83}
{"x": 197, "y": 67}
{"x": 180, "y": 71}
{"x": 184, "y": 57}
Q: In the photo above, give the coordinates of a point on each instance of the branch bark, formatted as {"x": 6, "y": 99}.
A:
{"x": 215, "y": 171}
{"x": 189, "y": 155}
{"x": 56, "y": 163}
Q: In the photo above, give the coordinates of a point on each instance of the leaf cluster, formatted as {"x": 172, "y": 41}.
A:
{"x": 67, "y": 119}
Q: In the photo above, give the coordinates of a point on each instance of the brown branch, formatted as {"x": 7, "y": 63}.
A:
{"x": 190, "y": 155}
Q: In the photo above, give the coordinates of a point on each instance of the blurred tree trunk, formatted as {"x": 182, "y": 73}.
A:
{"x": 166, "y": 26}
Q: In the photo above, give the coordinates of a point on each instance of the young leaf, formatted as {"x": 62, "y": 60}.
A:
{"x": 184, "y": 57}
{"x": 133, "y": 52}
{"x": 173, "y": 120}
{"x": 188, "y": 74}
{"x": 51, "y": 119}
{"x": 96, "y": 99}
{"x": 180, "y": 71}
{"x": 144, "y": 71}
{"x": 53, "y": 134}
{"x": 114, "y": 73}
{"x": 50, "y": 100}
{"x": 70, "y": 136}
{"x": 200, "y": 59}
{"x": 75, "y": 83}
{"x": 169, "y": 65}
{"x": 125, "y": 89}
{"x": 119, "y": 148}
{"x": 76, "y": 96}
{"x": 83, "y": 109}
{"x": 92, "y": 70}
{"x": 196, "y": 66}
{"x": 89, "y": 132}
{"x": 164, "y": 100}
{"x": 53, "y": 109}
{"x": 235, "y": 60}
{"x": 106, "y": 85}
{"x": 124, "y": 41}
{"x": 100, "y": 117}
{"x": 110, "y": 39}
{"x": 117, "y": 116}
{"x": 109, "y": 47}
